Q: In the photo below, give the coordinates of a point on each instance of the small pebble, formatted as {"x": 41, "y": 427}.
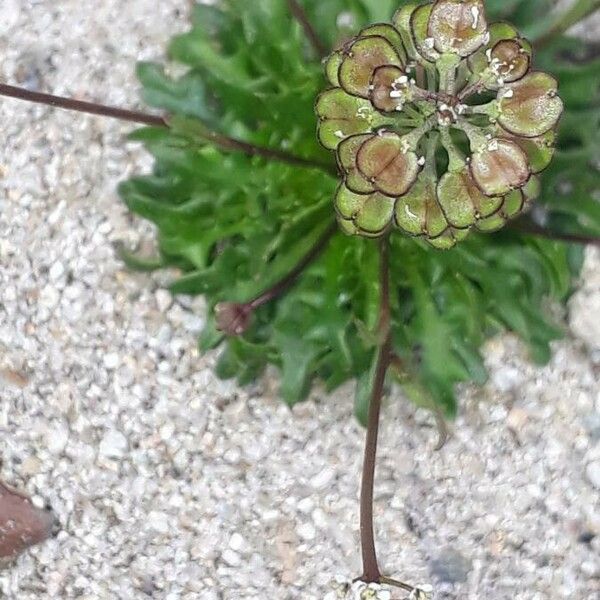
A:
{"x": 113, "y": 444}
{"x": 592, "y": 472}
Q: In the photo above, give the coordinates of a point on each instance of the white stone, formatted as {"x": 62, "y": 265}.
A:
{"x": 49, "y": 297}
{"x": 57, "y": 439}
{"x": 10, "y": 11}
{"x": 323, "y": 479}
{"x": 231, "y": 558}
{"x": 113, "y": 445}
{"x": 307, "y": 532}
{"x": 111, "y": 361}
{"x": 57, "y": 270}
{"x": 164, "y": 300}
{"x": 236, "y": 542}
{"x": 159, "y": 522}
{"x": 592, "y": 472}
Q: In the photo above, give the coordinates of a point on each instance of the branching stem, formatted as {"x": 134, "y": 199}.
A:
{"x": 288, "y": 280}
{"x": 300, "y": 15}
{"x": 222, "y": 141}
{"x": 529, "y": 227}
{"x": 371, "y": 572}
{"x": 80, "y": 106}
{"x": 234, "y": 318}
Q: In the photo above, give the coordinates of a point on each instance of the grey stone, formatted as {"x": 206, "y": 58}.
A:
{"x": 450, "y": 566}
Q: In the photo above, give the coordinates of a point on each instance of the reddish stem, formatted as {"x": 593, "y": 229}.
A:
{"x": 234, "y": 318}
{"x": 80, "y": 106}
{"x": 286, "y": 282}
{"x": 528, "y": 227}
{"x": 222, "y": 141}
{"x": 300, "y": 15}
{"x": 371, "y": 572}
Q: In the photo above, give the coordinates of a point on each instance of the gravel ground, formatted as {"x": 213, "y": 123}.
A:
{"x": 170, "y": 484}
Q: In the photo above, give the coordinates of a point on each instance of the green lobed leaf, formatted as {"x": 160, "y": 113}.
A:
{"x": 232, "y": 224}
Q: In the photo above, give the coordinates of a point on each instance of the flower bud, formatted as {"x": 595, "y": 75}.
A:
{"x": 233, "y": 318}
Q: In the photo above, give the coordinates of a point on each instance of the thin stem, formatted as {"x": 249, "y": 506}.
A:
{"x": 228, "y": 143}
{"x": 395, "y": 583}
{"x": 416, "y": 117}
{"x": 420, "y": 76}
{"x": 531, "y": 228}
{"x": 220, "y": 140}
{"x": 80, "y": 106}
{"x": 414, "y": 137}
{"x": 300, "y": 15}
{"x": 470, "y": 89}
{"x": 447, "y": 66}
{"x": 455, "y": 156}
{"x": 579, "y": 11}
{"x": 234, "y": 318}
{"x": 371, "y": 572}
{"x": 288, "y": 280}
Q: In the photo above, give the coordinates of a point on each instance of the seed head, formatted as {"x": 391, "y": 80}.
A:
{"x": 397, "y": 110}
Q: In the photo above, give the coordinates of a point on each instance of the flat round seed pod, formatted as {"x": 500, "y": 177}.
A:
{"x": 346, "y": 155}
{"x": 462, "y": 201}
{"x": 510, "y": 60}
{"x": 418, "y": 211}
{"x": 501, "y": 30}
{"x": 347, "y": 226}
{"x": 490, "y": 224}
{"x": 539, "y": 150}
{"x": 479, "y": 61}
{"x": 388, "y": 163}
{"x": 532, "y": 189}
{"x": 389, "y": 88}
{"x": 342, "y": 115}
{"x": 348, "y": 203}
{"x": 390, "y": 33}
{"x": 419, "y": 26}
{"x": 499, "y": 167}
{"x": 513, "y": 204}
{"x": 401, "y": 22}
{"x": 458, "y": 27}
{"x": 332, "y": 66}
{"x": 370, "y": 122}
{"x": 530, "y": 107}
{"x": 360, "y": 61}
{"x": 371, "y": 213}
{"x": 375, "y": 215}
{"x": 448, "y": 239}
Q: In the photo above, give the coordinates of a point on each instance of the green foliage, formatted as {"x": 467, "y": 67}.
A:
{"x": 234, "y": 224}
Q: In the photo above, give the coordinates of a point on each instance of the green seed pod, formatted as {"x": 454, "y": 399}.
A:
{"x": 458, "y": 26}
{"x": 360, "y": 60}
{"x": 407, "y": 100}
{"x": 388, "y": 163}
{"x": 530, "y": 107}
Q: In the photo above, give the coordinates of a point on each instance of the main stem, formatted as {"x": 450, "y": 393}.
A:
{"x": 371, "y": 572}
{"x": 222, "y": 141}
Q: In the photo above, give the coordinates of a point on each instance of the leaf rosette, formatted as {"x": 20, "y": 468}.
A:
{"x": 438, "y": 123}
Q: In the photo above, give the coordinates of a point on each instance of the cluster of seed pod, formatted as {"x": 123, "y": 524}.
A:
{"x": 438, "y": 123}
